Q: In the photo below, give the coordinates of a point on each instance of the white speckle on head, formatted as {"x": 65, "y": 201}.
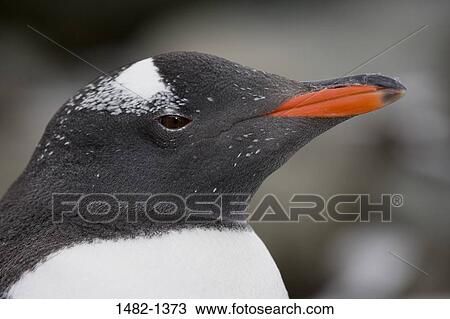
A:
{"x": 143, "y": 79}
{"x": 215, "y": 189}
{"x": 138, "y": 89}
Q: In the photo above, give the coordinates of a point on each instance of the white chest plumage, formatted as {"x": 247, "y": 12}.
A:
{"x": 194, "y": 263}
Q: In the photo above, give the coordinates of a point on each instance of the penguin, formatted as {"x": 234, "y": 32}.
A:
{"x": 178, "y": 123}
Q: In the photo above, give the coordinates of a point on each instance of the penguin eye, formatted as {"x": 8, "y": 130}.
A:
{"x": 173, "y": 122}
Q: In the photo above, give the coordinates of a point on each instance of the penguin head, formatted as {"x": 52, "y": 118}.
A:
{"x": 188, "y": 122}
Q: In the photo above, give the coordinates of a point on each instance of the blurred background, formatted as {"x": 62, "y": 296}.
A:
{"x": 402, "y": 149}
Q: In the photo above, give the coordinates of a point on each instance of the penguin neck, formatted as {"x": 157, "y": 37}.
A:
{"x": 55, "y": 177}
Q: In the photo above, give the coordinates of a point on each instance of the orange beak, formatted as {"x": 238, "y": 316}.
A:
{"x": 341, "y": 101}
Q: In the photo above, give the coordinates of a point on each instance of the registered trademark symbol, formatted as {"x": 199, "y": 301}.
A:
{"x": 397, "y": 200}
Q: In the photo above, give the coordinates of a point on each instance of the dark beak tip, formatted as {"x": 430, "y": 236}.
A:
{"x": 391, "y": 96}
{"x": 386, "y": 82}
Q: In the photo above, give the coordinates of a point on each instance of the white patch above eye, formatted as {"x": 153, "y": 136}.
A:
{"x": 138, "y": 89}
{"x": 143, "y": 79}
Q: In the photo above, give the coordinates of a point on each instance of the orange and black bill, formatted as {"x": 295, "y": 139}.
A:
{"x": 343, "y": 97}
